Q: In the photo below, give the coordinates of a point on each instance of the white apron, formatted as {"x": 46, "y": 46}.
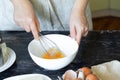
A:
{"x": 52, "y": 15}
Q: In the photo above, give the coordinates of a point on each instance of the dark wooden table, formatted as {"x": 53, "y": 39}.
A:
{"x": 98, "y": 47}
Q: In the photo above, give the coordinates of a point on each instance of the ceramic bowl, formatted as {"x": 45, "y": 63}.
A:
{"x": 65, "y": 43}
{"x": 29, "y": 77}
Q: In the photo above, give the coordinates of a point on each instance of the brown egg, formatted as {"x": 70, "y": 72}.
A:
{"x": 86, "y": 70}
{"x": 91, "y": 77}
{"x": 78, "y": 79}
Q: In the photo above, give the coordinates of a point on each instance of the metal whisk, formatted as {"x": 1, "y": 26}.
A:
{"x": 47, "y": 45}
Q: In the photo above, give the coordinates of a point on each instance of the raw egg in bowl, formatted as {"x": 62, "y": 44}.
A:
{"x": 68, "y": 49}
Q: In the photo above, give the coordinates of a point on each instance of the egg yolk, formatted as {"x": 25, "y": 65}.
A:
{"x": 53, "y": 53}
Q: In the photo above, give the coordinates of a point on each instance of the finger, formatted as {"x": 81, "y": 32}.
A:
{"x": 78, "y": 37}
{"x": 72, "y": 31}
{"x": 34, "y": 30}
{"x": 27, "y": 27}
{"x": 85, "y": 32}
{"x": 37, "y": 25}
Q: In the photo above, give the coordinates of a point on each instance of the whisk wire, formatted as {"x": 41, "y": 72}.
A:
{"x": 47, "y": 44}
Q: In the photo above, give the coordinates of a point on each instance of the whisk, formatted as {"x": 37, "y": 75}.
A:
{"x": 48, "y": 46}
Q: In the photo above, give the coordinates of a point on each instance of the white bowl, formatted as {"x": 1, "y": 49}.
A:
{"x": 66, "y": 44}
{"x": 29, "y": 77}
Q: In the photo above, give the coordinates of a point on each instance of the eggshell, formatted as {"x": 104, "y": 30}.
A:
{"x": 69, "y": 75}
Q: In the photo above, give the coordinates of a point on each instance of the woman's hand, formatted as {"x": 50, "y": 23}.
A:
{"x": 78, "y": 21}
{"x": 78, "y": 27}
{"x": 25, "y": 17}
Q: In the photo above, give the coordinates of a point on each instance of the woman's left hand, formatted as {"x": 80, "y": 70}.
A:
{"x": 78, "y": 26}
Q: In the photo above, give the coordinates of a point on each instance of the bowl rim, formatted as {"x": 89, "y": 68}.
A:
{"x": 25, "y": 76}
{"x": 57, "y": 58}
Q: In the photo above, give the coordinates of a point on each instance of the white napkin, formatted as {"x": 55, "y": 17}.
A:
{"x": 107, "y": 71}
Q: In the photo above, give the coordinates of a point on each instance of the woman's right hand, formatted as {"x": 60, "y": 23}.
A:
{"x": 25, "y": 17}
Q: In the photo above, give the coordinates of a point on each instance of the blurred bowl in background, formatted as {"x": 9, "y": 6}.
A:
{"x": 29, "y": 77}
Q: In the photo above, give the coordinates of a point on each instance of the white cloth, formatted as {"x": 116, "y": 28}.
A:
{"x": 108, "y": 70}
{"x": 50, "y": 15}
